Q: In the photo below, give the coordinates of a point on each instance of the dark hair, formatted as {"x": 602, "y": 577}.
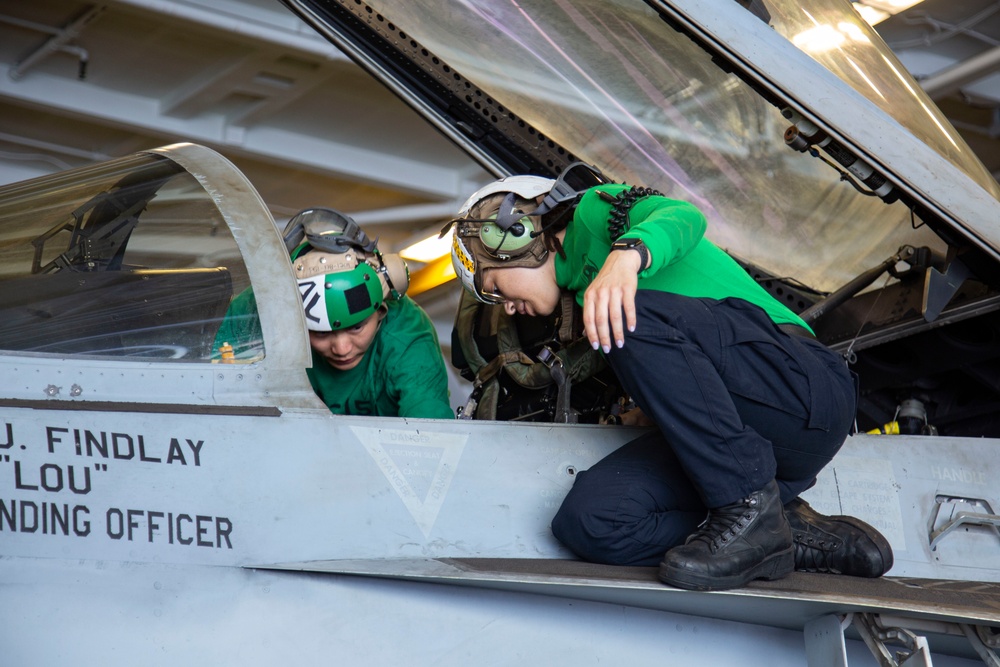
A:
{"x": 554, "y": 222}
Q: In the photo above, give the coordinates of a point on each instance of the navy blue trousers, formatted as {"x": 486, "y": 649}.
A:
{"x": 737, "y": 402}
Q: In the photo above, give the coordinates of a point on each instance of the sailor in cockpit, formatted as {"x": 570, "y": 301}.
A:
{"x": 374, "y": 350}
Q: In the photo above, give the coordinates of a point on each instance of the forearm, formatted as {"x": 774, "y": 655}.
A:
{"x": 422, "y": 389}
{"x": 670, "y": 230}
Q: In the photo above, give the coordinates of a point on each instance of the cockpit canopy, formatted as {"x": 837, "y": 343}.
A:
{"x": 130, "y": 258}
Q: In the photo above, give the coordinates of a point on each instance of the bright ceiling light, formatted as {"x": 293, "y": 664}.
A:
{"x": 875, "y": 11}
{"x": 891, "y": 6}
{"x": 871, "y": 15}
{"x": 428, "y": 249}
{"x": 438, "y": 272}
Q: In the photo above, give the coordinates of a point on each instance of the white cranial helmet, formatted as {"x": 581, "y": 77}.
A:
{"x": 526, "y": 187}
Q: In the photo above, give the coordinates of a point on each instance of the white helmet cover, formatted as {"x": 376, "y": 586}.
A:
{"x": 464, "y": 262}
{"x": 526, "y": 187}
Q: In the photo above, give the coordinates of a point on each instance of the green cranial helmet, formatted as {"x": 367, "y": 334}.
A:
{"x": 343, "y": 277}
{"x": 339, "y": 290}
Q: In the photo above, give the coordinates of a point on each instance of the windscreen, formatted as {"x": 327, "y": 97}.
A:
{"x": 844, "y": 43}
{"x": 611, "y": 82}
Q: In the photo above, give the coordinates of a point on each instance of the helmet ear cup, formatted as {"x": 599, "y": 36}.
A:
{"x": 517, "y": 237}
{"x": 397, "y": 275}
{"x": 509, "y": 214}
{"x": 512, "y": 231}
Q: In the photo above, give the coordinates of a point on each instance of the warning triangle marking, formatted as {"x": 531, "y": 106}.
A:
{"x": 419, "y": 466}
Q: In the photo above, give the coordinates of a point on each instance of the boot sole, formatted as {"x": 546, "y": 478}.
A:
{"x": 776, "y": 566}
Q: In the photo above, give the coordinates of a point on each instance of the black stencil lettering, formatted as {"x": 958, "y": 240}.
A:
{"x": 18, "y": 484}
{"x": 115, "y": 524}
{"x": 151, "y": 523}
{"x": 223, "y": 529}
{"x": 93, "y": 443}
{"x": 175, "y": 453}
{"x": 51, "y": 433}
{"x": 196, "y": 450}
{"x": 127, "y": 453}
{"x": 9, "y": 514}
{"x": 180, "y": 538}
{"x": 202, "y": 530}
{"x": 142, "y": 452}
{"x": 309, "y": 300}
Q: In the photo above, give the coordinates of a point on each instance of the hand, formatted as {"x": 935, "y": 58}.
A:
{"x": 635, "y": 417}
{"x": 611, "y": 293}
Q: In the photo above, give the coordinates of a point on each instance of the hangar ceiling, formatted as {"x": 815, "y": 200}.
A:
{"x": 85, "y": 81}
{"x": 953, "y": 50}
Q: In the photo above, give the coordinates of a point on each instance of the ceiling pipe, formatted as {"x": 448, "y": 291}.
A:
{"x": 953, "y": 79}
{"x": 59, "y": 41}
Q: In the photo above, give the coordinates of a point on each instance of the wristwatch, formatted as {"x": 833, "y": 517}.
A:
{"x": 633, "y": 244}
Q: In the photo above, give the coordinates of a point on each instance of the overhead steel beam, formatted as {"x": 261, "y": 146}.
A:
{"x": 277, "y": 28}
{"x": 271, "y": 80}
{"x": 135, "y": 112}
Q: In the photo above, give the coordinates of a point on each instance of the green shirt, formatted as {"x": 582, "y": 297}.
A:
{"x": 683, "y": 260}
{"x": 401, "y": 375}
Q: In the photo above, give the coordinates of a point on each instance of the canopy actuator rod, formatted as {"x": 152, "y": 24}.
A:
{"x": 820, "y": 308}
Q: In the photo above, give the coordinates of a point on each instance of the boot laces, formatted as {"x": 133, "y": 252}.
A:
{"x": 724, "y": 523}
{"x": 815, "y": 555}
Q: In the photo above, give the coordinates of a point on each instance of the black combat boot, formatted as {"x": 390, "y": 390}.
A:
{"x": 737, "y": 543}
{"x": 836, "y": 544}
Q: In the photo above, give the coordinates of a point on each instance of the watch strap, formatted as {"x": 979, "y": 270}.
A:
{"x": 633, "y": 244}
